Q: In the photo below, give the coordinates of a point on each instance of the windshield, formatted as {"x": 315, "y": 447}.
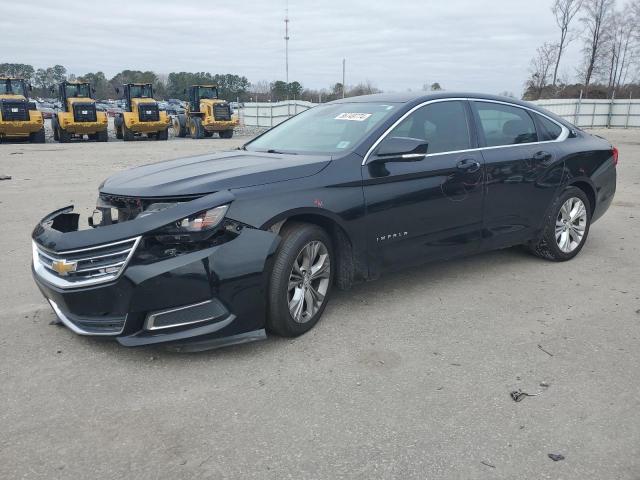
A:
{"x": 331, "y": 128}
{"x": 140, "y": 91}
{"x": 80, "y": 90}
{"x": 208, "y": 93}
{"x": 12, "y": 87}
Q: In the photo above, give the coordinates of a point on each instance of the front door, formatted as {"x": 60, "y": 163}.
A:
{"x": 425, "y": 207}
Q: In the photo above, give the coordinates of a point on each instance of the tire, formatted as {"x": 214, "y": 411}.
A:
{"x": 162, "y": 135}
{"x": 54, "y": 127}
{"x": 226, "y": 134}
{"x": 561, "y": 240}
{"x": 127, "y": 135}
{"x": 117, "y": 123}
{"x": 296, "y": 239}
{"x": 38, "y": 137}
{"x": 63, "y": 135}
{"x": 195, "y": 128}
{"x": 180, "y": 126}
{"x": 102, "y": 136}
{"x": 208, "y": 134}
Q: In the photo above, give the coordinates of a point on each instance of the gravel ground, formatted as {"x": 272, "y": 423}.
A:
{"x": 407, "y": 377}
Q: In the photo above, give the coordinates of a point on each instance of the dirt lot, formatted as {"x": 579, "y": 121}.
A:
{"x": 407, "y": 377}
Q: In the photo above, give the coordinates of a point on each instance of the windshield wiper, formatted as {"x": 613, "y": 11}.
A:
{"x": 271, "y": 150}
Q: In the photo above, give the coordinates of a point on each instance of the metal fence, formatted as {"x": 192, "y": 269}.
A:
{"x": 584, "y": 113}
{"x": 269, "y": 114}
{"x": 587, "y": 113}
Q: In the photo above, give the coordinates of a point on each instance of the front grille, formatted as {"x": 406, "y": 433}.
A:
{"x": 148, "y": 112}
{"x": 222, "y": 112}
{"x": 88, "y": 266}
{"x": 15, "y": 110}
{"x": 84, "y": 112}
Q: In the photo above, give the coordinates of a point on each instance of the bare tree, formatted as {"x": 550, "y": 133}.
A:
{"x": 596, "y": 13}
{"x": 564, "y": 11}
{"x": 540, "y": 69}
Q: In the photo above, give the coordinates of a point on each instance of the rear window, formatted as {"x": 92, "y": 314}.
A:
{"x": 505, "y": 125}
{"x": 549, "y": 130}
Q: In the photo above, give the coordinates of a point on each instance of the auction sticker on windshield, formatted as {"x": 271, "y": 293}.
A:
{"x": 356, "y": 117}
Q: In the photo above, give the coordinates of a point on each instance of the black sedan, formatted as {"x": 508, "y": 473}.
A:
{"x": 219, "y": 249}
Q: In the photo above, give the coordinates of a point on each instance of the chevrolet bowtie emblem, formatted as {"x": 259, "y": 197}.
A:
{"x": 62, "y": 267}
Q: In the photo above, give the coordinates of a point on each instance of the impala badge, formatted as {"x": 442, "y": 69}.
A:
{"x": 63, "y": 268}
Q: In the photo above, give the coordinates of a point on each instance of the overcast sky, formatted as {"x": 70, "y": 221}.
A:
{"x": 473, "y": 45}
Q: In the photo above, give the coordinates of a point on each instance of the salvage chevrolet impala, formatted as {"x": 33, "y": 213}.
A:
{"x": 219, "y": 249}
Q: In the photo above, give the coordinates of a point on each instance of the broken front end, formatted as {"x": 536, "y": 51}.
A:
{"x": 148, "y": 271}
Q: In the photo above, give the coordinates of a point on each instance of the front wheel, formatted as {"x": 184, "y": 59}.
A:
{"x": 38, "y": 137}
{"x": 226, "y": 134}
{"x": 566, "y": 227}
{"x": 196, "y": 128}
{"x": 301, "y": 279}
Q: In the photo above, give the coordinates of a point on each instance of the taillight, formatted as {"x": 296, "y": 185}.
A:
{"x": 614, "y": 152}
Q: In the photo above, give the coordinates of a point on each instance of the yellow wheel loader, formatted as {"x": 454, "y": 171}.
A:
{"x": 142, "y": 115}
{"x": 205, "y": 115}
{"x": 78, "y": 116}
{"x": 19, "y": 118}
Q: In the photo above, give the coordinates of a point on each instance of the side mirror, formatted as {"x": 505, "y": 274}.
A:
{"x": 185, "y": 91}
{"x": 401, "y": 149}
{"x": 117, "y": 90}
{"x": 30, "y": 87}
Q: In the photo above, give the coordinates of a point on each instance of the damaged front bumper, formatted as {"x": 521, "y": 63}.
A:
{"x": 119, "y": 281}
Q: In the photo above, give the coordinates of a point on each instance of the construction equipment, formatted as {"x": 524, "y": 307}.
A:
{"x": 78, "y": 116}
{"x": 19, "y": 118}
{"x": 205, "y": 114}
{"x": 141, "y": 114}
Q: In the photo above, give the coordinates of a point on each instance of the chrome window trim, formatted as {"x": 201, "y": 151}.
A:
{"x": 75, "y": 329}
{"x": 149, "y": 322}
{"x": 563, "y": 136}
{"x": 60, "y": 282}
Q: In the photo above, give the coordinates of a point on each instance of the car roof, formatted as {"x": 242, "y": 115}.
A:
{"x": 416, "y": 99}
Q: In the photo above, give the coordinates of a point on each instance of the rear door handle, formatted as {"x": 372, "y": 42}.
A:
{"x": 542, "y": 156}
{"x": 469, "y": 165}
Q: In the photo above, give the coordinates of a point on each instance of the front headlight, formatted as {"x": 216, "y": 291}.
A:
{"x": 194, "y": 228}
{"x": 200, "y": 222}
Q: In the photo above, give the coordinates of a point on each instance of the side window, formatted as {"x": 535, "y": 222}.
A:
{"x": 505, "y": 125}
{"x": 443, "y": 125}
{"x": 548, "y": 130}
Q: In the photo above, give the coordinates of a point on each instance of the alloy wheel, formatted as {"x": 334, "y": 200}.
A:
{"x": 309, "y": 281}
{"x": 571, "y": 223}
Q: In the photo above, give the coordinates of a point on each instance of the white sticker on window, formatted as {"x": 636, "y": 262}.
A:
{"x": 355, "y": 117}
{"x": 343, "y": 144}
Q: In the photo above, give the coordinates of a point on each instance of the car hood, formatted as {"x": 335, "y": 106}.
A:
{"x": 211, "y": 173}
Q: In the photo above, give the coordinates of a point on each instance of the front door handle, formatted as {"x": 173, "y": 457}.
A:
{"x": 469, "y": 165}
{"x": 542, "y": 156}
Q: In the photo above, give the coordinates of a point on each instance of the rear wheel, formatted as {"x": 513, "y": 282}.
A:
{"x": 566, "y": 227}
{"x": 196, "y": 129}
{"x": 63, "y": 135}
{"x": 162, "y": 135}
{"x": 37, "y": 137}
{"x": 180, "y": 126}
{"x": 54, "y": 127}
{"x": 117, "y": 123}
{"x": 301, "y": 279}
{"x": 226, "y": 134}
{"x": 102, "y": 136}
{"x": 208, "y": 134}
{"x": 127, "y": 134}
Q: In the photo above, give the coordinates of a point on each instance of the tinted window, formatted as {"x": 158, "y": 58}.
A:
{"x": 548, "y": 130}
{"x": 443, "y": 125}
{"x": 505, "y": 125}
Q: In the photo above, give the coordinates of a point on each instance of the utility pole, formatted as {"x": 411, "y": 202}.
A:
{"x": 286, "y": 53}
{"x": 344, "y": 65}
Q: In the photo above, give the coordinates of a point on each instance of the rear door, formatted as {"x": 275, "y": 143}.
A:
{"x": 430, "y": 208}
{"x": 522, "y": 170}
